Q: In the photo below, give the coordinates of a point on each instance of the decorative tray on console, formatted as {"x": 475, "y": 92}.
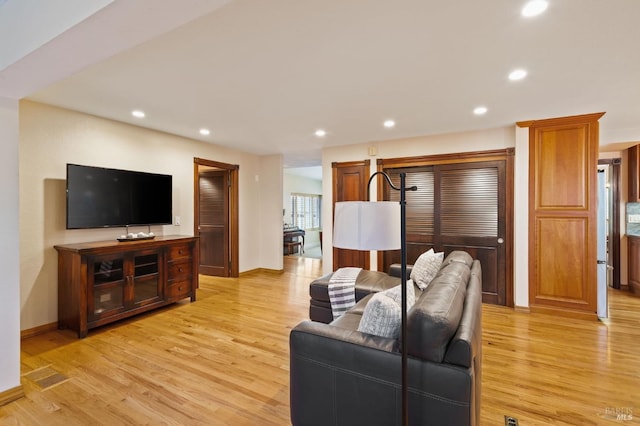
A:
{"x": 136, "y": 237}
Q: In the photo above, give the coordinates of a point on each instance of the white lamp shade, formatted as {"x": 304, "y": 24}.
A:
{"x": 364, "y": 225}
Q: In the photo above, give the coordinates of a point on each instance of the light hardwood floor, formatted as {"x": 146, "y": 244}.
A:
{"x": 225, "y": 360}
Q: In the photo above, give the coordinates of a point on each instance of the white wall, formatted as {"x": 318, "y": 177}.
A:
{"x": 301, "y": 185}
{"x": 270, "y": 184}
{"x": 521, "y": 219}
{"x": 500, "y": 138}
{"x": 9, "y": 248}
{"x": 51, "y": 137}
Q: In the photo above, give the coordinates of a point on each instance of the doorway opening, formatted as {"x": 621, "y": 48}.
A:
{"x": 216, "y": 217}
{"x": 608, "y": 232}
{"x": 612, "y": 172}
{"x": 301, "y": 212}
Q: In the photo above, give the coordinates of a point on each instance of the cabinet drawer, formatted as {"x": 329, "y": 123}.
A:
{"x": 179, "y": 289}
{"x": 182, "y": 251}
{"x": 180, "y": 269}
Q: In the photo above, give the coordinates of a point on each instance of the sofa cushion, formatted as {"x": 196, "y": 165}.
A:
{"x": 358, "y": 309}
{"x": 460, "y": 257}
{"x": 426, "y": 268}
{"x": 349, "y": 320}
{"x": 435, "y": 317}
{"x": 464, "y": 346}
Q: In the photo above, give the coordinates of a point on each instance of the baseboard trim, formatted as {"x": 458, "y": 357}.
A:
{"x": 11, "y": 395}
{"x": 523, "y": 309}
{"x": 263, "y": 270}
{"x": 41, "y": 329}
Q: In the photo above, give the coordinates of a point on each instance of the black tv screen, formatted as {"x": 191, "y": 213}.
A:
{"x": 99, "y": 197}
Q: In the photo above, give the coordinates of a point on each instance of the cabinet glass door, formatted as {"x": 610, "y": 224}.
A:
{"x": 108, "y": 284}
{"x": 146, "y": 278}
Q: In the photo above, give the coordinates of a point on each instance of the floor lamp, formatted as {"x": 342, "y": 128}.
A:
{"x": 366, "y": 225}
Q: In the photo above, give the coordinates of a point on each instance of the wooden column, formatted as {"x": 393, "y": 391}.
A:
{"x": 563, "y": 159}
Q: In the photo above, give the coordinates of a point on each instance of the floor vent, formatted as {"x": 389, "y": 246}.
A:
{"x": 46, "y": 377}
{"x": 510, "y": 421}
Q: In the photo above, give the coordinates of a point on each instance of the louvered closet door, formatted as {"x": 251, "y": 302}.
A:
{"x": 420, "y": 212}
{"x": 458, "y": 207}
{"x": 214, "y": 223}
{"x": 471, "y": 209}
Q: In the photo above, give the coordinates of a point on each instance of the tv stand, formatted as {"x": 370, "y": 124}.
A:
{"x": 105, "y": 281}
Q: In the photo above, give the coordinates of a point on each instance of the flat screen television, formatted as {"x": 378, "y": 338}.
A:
{"x": 99, "y": 197}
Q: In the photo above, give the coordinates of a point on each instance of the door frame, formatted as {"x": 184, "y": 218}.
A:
{"x": 234, "y": 245}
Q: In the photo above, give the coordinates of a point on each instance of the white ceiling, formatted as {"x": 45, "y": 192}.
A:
{"x": 264, "y": 75}
{"x": 37, "y": 22}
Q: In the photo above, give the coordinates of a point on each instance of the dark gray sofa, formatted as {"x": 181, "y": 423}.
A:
{"x": 340, "y": 376}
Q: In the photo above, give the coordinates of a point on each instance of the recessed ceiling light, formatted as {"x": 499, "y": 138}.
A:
{"x": 205, "y": 132}
{"x": 389, "y": 124}
{"x": 321, "y": 133}
{"x": 480, "y": 110}
{"x": 517, "y": 75}
{"x": 534, "y": 8}
{"x": 137, "y": 113}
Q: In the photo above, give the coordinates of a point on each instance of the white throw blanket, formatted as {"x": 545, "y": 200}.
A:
{"x": 342, "y": 290}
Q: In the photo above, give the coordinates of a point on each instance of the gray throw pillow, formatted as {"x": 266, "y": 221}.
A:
{"x": 395, "y": 292}
{"x": 382, "y": 315}
{"x": 426, "y": 268}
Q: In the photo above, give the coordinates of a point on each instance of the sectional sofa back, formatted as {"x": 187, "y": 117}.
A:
{"x": 436, "y": 317}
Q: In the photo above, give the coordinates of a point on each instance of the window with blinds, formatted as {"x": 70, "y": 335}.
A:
{"x": 305, "y": 210}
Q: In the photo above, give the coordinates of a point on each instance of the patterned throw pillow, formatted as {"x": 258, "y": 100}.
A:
{"x": 395, "y": 292}
{"x": 382, "y": 315}
{"x": 426, "y": 268}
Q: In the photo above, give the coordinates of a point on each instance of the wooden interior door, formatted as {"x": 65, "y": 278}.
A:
{"x": 214, "y": 222}
{"x": 219, "y": 249}
{"x": 350, "y": 184}
{"x": 471, "y": 209}
{"x": 458, "y": 206}
{"x": 563, "y": 158}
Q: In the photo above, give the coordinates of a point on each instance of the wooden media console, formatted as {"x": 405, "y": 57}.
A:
{"x": 105, "y": 281}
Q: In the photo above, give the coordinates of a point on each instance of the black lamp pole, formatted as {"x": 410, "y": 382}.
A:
{"x": 403, "y": 284}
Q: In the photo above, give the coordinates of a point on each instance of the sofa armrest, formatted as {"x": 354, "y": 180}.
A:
{"x": 395, "y": 270}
